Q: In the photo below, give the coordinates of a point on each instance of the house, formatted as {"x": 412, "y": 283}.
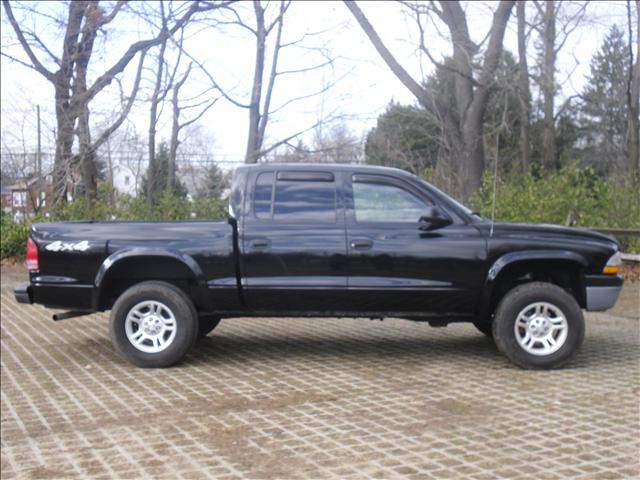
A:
{"x": 29, "y": 196}
{"x": 5, "y": 199}
{"x": 125, "y": 179}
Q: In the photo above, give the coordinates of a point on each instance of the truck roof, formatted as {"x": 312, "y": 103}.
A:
{"x": 325, "y": 166}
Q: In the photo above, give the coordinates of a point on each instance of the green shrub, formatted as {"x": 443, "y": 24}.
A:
{"x": 208, "y": 208}
{"x": 169, "y": 207}
{"x": 570, "y": 192}
{"x": 13, "y": 238}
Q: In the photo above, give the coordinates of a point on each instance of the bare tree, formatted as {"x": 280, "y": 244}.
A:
{"x": 201, "y": 103}
{"x": 337, "y": 144}
{"x": 547, "y": 81}
{"x": 555, "y": 23}
{"x": 158, "y": 95}
{"x": 472, "y": 93}
{"x": 68, "y": 76}
{"x": 524, "y": 94}
{"x": 633, "y": 92}
{"x": 270, "y": 43}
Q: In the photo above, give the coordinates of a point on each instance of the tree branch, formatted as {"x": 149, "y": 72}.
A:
{"x": 125, "y": 112}
{"x": 37, "y": 66}
{"x": 214, "y": 83}
{"x": 106, "y": 78}
{"x": 421, "y": 94}
{"x": 274, "y": 67}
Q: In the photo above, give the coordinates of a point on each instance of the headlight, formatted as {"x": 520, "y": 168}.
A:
{"x": 613, "y": 264}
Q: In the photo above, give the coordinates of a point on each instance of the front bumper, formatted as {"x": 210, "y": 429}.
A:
{"x": 602, "y": 291}
{"x": 23, "y": 293}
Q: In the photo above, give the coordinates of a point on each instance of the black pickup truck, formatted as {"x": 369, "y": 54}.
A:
{"x": 327, "y": 240}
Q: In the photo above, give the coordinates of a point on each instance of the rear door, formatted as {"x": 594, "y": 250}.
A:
{"x": 293, "y": 241}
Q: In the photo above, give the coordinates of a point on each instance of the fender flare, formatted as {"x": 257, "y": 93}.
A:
{"x": 141, "y": 252}
{"x": 512, "y": 258}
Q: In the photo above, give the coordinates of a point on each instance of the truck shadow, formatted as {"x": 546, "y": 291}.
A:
{"x": 249, "y": 347}
{"x": 460, "y": 347}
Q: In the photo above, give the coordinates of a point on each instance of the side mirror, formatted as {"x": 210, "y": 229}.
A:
{"x": 434, "y": 218}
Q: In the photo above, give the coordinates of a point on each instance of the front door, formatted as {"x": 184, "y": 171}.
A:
{"x": 293, "y": 242}
{"x": 396, "y": 268}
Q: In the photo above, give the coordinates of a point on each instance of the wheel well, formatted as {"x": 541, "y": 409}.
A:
{"x": 563, "y": 273}
{"x": 131, "y": 271}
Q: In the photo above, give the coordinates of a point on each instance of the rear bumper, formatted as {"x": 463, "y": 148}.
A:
{"x": 602, "y": 291}
{"x": 23, "y": 293}
{"x": 76, "y": 297}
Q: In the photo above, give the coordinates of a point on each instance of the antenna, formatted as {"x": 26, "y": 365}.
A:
{"x": 495, "y": 182}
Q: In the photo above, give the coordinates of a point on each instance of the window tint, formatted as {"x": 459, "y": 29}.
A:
{"x": 376, "y": 202}
{"x": 305, "y": 201}
{"x": 262, "y": 196}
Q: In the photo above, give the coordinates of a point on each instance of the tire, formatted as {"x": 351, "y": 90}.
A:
{"x": 538, "y": 325}
{"x": 485, "y": 327}
{"x": 206, "y": 324}
{"x": 154, "y": 343}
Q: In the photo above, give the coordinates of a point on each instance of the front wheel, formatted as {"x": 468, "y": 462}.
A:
{"x": 153, "y": 324}
{"x": 538, "y": 325}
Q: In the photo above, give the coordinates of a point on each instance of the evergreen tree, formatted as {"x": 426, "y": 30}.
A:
{"x": 604, "y": 110}
{"x": 214, "y": 184}
{"x": 406, "y": 137}
{"x": 161, "y": 178}
{"x": 409, "y": 137}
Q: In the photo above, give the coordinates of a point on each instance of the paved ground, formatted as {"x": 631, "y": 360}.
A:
{"x": 315, "y": 398}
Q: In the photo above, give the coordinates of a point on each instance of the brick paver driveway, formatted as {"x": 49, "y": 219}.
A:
{"x": 314, "y": 398}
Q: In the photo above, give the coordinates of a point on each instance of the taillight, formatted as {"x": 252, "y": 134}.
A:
{"x": 32, "y": 256}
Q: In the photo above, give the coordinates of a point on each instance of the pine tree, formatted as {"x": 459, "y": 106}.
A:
{"x": 161, "y": 177}
{"x": 604, "y": 110}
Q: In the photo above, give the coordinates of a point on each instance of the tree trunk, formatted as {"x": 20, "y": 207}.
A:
{"x": 88, "y": 169}
{"x": 253, "y": 142}
{"x": 64, "y": 140}
{"x": 175, "y": 131}
{"x": 173, "y": 144}
{"x": 112, "y": 191}
{"x": 152, "y": 171}
{"x": 472, "y": 101}
{"x": 473, "y": 156}
{"x": 633, "y": 95}
{"x": 548, "y": 85}
{"x": 524, "y": 95}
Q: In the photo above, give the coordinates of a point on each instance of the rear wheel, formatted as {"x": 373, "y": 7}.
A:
{"x": 538, "y": 325}
{"x": 153, "y": 324}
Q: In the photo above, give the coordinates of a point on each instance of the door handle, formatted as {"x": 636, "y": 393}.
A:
{"x": 361, "y": 244}
{"x": 259, "y": 243}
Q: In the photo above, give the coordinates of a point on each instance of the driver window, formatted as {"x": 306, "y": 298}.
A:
{"x": 377, "y": 202}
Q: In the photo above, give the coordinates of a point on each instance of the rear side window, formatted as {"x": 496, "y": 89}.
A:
{"x": 296, "y": 198}
{"x": 263, "y": 196}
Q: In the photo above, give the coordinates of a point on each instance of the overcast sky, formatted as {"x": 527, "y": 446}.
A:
{"x": 363, "y": 84}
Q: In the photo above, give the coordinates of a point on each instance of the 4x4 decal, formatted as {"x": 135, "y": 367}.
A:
{"x": 59, "y": 246}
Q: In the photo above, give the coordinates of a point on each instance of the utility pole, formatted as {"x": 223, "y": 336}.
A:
{"x": 40, "y": 183}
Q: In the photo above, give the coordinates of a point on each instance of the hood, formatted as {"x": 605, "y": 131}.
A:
{"x": 541, "y": 231}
